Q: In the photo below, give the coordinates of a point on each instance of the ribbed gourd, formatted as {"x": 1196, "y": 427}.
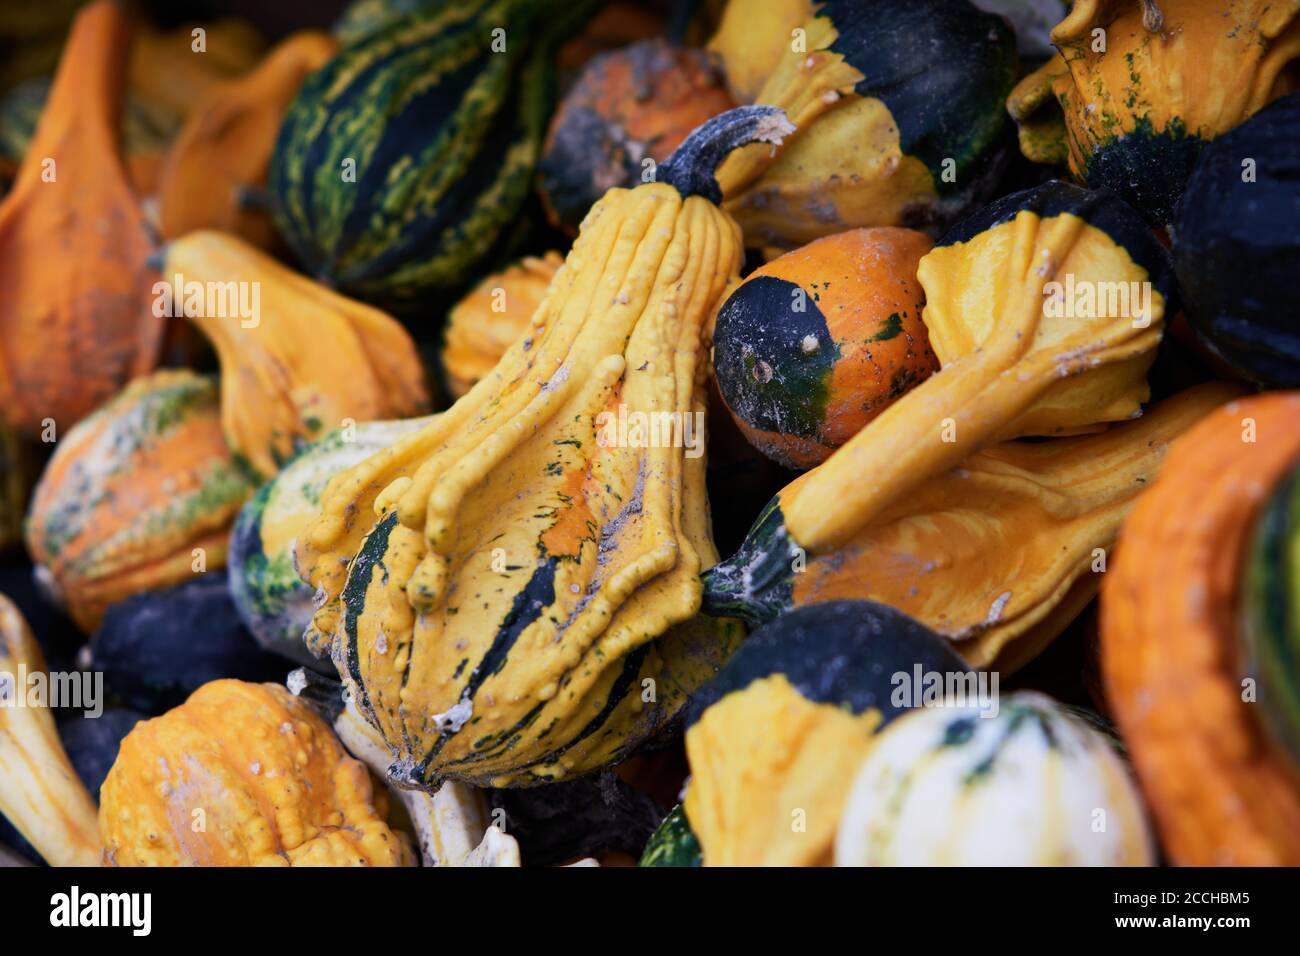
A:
{"x": 401, "y": 164}
{"x": 274, "y": 603}
{"x": 776, "y": 739}
{"x": 1027, "y": 784}
{"x": 510, "y": 593}
{"x": 1237, "y": 250}
{"x": 40, "y": 793}
{"x": 900, "y": 113}
{"x": 487, "y": 321}
{"x": 1026, "y": 348}
{"x": 815, "y": 344}
{"x": 1197, "y": 704}
{"x": 138, "y": 496}
{"x": 999, "y": 554}
{"x": 1140, "y": 86}
{"x": 75, "y": 321}
{"x": 297, "y": 359}
{"x": 243, "y": 775}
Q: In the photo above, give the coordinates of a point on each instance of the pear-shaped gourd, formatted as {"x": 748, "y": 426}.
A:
{"x": 75, "y": 316}
{"x": 509, "y": 592}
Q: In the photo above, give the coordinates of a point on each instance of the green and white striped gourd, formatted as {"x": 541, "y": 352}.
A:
{"x": 1032, "y": 785}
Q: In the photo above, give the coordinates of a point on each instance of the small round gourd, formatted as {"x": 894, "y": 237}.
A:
{"x": 815, "y": 344}
{"x": 1031, "y": 785}
{"x": 264, "y": 774}
{"x": 628, "y": 106}
{"x": 137, "y": 496}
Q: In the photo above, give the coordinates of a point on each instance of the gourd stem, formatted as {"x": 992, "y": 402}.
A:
{"x": 690, "y": 169}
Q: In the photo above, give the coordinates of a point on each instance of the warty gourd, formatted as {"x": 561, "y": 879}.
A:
{"x": 510, "y": 593}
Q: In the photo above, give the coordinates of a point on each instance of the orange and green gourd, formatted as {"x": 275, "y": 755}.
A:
{"x": 815, "y": 344}
{"x": 1016, "y": 360}
{"x": 138, "y": 496}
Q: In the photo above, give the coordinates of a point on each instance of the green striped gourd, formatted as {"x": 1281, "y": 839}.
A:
{"x": 402, "y": 162}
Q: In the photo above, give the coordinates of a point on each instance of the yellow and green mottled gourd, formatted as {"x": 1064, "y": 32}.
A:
{"x": 1139, "y": 87}
{"x": 511, "y": 592}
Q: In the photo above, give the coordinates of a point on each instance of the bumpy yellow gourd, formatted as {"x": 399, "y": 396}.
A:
{"x": 509, "y": 591}
{"x": 243, "y": 775}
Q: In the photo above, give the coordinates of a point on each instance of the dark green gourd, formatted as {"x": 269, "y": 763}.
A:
{"x": 1237, "y": 246}
{"x": 402, "y": 162}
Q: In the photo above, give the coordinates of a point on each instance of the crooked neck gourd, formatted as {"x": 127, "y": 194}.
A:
{"x": 998, "y": 555}
{"x": 510, "y": 592}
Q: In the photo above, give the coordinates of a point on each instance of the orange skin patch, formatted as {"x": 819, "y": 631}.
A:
{"x": 864, "y": 282}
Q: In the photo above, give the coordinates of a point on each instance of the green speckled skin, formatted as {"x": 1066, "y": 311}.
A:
{"x": 673, "y": 843}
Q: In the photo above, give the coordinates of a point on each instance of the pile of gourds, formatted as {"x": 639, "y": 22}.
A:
{"x": 382, "y": 409}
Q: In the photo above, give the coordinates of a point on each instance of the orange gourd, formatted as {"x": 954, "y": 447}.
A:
{"x": 175, "y": 70}
{"x": 224, "y": 149}
{"x": 267, "y": 779}
{"x": 75, "y": 317}
{"x": 1221, "y": 792}
{"x": 481, "y": 326}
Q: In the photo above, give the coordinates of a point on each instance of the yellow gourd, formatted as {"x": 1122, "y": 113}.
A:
{"x": 297, "y": 360}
